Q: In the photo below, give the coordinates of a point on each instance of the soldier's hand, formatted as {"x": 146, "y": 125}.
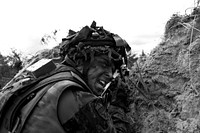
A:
{"x": 120, "y": 95}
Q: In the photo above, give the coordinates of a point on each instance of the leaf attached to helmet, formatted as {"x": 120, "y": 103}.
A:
{"x": 96, "y": 40}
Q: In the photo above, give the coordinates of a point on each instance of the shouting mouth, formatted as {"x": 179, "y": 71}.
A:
{"x": 102, "y": 83}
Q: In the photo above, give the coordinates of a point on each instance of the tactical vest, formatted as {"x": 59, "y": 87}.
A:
{"x": 40, "y": 114}
{"x": 45, "y": 118}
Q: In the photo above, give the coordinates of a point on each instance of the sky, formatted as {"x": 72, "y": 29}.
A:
{"x": 140, "y": 22}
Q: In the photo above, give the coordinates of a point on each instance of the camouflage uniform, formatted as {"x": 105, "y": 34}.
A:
{"x": 68, "y": 107}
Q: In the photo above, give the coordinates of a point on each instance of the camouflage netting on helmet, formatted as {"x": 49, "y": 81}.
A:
{"x": 93, "y": 41}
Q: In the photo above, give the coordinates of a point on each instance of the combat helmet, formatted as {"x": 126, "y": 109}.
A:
{"x": 94, "y": 40}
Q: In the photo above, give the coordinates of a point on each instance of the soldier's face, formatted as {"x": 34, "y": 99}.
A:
{"x": 100, "y": 72}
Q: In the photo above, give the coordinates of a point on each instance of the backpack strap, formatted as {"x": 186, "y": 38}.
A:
{"x": 20, "y": 121}
{"x": 41, "y": 86}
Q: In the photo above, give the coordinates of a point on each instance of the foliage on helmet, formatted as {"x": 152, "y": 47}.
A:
{"x": 94, "y": 40}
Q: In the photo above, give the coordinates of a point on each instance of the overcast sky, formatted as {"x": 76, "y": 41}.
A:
{"x": 140, "y": 22}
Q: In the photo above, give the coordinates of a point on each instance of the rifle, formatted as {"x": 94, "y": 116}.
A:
{"x": 107, "y": 87}
{"x": 111, "y": 88}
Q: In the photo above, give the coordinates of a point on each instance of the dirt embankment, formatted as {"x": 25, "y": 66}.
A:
{"x": 172, "y": 76}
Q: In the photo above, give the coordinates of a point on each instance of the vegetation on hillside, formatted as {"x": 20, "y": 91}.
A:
{"x": 9, "y": 66}
{"x": 171, "y": 74}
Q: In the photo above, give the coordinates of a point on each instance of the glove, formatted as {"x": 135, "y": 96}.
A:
{"x": 119, "y": 94}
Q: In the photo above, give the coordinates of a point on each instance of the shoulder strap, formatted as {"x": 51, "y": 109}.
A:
{"x": 23, "y": 96}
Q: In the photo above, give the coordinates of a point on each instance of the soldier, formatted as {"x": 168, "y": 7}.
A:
{"x": 77, "y": 105}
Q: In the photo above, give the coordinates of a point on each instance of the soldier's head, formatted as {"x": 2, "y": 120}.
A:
{"x": 96, "y": 53}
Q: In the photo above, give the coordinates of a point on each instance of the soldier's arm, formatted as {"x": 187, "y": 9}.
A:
{"x": 119, "y": 107}
{"x": 119, "y": 118}
{"x": 80, "y": 111}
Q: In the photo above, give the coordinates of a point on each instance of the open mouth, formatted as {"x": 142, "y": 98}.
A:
{"x": 102, "y": 83}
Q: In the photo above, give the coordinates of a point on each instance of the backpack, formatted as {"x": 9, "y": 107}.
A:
{"x": 22, "y": 89}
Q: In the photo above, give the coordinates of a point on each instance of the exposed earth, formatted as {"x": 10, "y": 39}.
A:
{"x": 171, "y": 73}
